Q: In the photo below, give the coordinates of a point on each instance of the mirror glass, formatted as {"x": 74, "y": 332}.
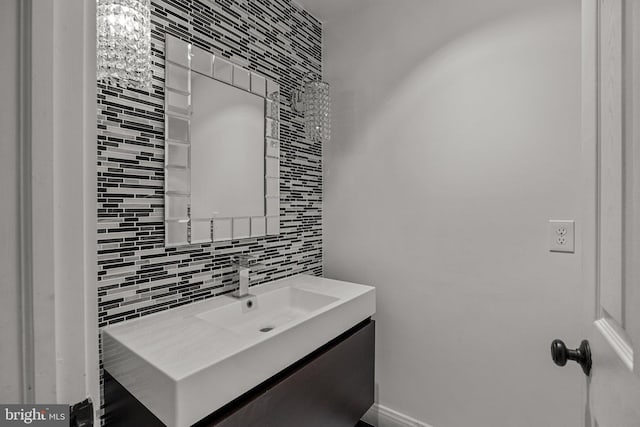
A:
{"x": 227, "y": 150}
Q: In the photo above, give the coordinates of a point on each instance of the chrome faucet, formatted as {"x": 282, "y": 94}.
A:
{"x": 243, "y": 264}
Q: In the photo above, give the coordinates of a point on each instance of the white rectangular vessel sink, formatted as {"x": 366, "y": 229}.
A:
{"x": 185, "y": 363}
{"x": 271, "y": 311}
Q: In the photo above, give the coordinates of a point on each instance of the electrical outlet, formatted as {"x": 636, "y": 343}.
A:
{"x": 561, "y": 236}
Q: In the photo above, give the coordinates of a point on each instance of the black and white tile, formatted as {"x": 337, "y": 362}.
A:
{"x": 137, "y": 275}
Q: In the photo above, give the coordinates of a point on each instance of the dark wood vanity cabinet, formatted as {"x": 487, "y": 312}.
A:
{"x": 331, "y": 387}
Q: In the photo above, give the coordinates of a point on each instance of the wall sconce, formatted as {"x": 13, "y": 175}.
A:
{"x": 313, "y": 99}
{"x": 124, "y": 43}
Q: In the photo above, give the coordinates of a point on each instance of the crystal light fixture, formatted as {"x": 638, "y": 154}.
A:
{"x": 124, "y": 43}
{"x": 314, "y": 100}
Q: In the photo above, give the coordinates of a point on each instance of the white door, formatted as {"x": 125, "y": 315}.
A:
{"x": 611, "y": 233}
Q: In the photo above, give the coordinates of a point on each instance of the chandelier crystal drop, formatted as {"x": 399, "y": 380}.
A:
{"x": 124, "y": 43}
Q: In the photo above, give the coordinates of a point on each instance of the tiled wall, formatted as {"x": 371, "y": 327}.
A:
{"x": 136, "y": 274}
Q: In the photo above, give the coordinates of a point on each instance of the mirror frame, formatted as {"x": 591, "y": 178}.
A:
{"x": 182, "y": 59}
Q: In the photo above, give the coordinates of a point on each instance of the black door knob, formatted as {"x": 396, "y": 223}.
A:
{"x": 560, "y": 354}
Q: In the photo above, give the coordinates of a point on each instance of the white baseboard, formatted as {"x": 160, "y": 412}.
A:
{"x": 381, "y": 416}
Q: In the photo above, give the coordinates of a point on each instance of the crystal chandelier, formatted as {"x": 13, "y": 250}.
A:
{"x": 124, "y": 43}
{"x": 314, "y": 100}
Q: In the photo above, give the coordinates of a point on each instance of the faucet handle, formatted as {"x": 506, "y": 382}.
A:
{"x": 244, "y": 260}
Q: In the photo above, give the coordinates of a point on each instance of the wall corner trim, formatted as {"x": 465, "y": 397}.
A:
{"x": 381, "y": 416}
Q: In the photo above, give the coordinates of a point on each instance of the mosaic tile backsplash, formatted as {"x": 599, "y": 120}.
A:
{"x": 137, "y": 275}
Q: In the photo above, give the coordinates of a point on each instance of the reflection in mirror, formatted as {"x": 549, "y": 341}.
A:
{"x": 201, "y": 61}
{"x": 241, "y": 228}
{"x": 258, "y": 226}
{"x": 176, "y": 208}
{"x": 273, "y": 206}
{"x": 176, "y": 232}
{"x": 273, "y": 167}
{"x": 273, "y": 225}
{"x": 200, "y": 230}
{"x": 177, "y": 129}
{"x": 241, "y": 78}
{"x": 273, "y": 148}
{"x": 227, "y": 154}
{"x": 177, "y": 155}
{"x": 178, "y": 103}
{"x": 177, "y": 78}
{"x": 178, "y": 181}
{"x": 258, "y": 84}
{"x": 222, "y": 230}
{"x": 222, "y": 70}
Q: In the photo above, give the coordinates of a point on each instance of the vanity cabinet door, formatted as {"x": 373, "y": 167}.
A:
{"x": 331, "y": 387}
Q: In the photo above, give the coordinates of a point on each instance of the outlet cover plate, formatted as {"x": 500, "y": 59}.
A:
{"x": 562, "y": 236}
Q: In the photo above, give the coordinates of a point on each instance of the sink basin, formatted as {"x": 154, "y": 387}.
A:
{"x": 185, "y": 363}
{"x": 268, "y": 311}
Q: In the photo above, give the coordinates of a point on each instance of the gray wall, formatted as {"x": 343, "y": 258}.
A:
{"x": 10, "y": 368}
{"x": 456, "y": 138}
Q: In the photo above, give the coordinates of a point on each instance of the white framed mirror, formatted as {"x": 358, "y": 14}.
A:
{"x": 222, "y": 149}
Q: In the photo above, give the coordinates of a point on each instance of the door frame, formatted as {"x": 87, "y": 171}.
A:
{"x": 590, "y": 114}
{"x": 59, "y": 201}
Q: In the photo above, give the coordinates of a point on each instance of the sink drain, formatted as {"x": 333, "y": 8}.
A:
{"x": 266, "y": 329}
